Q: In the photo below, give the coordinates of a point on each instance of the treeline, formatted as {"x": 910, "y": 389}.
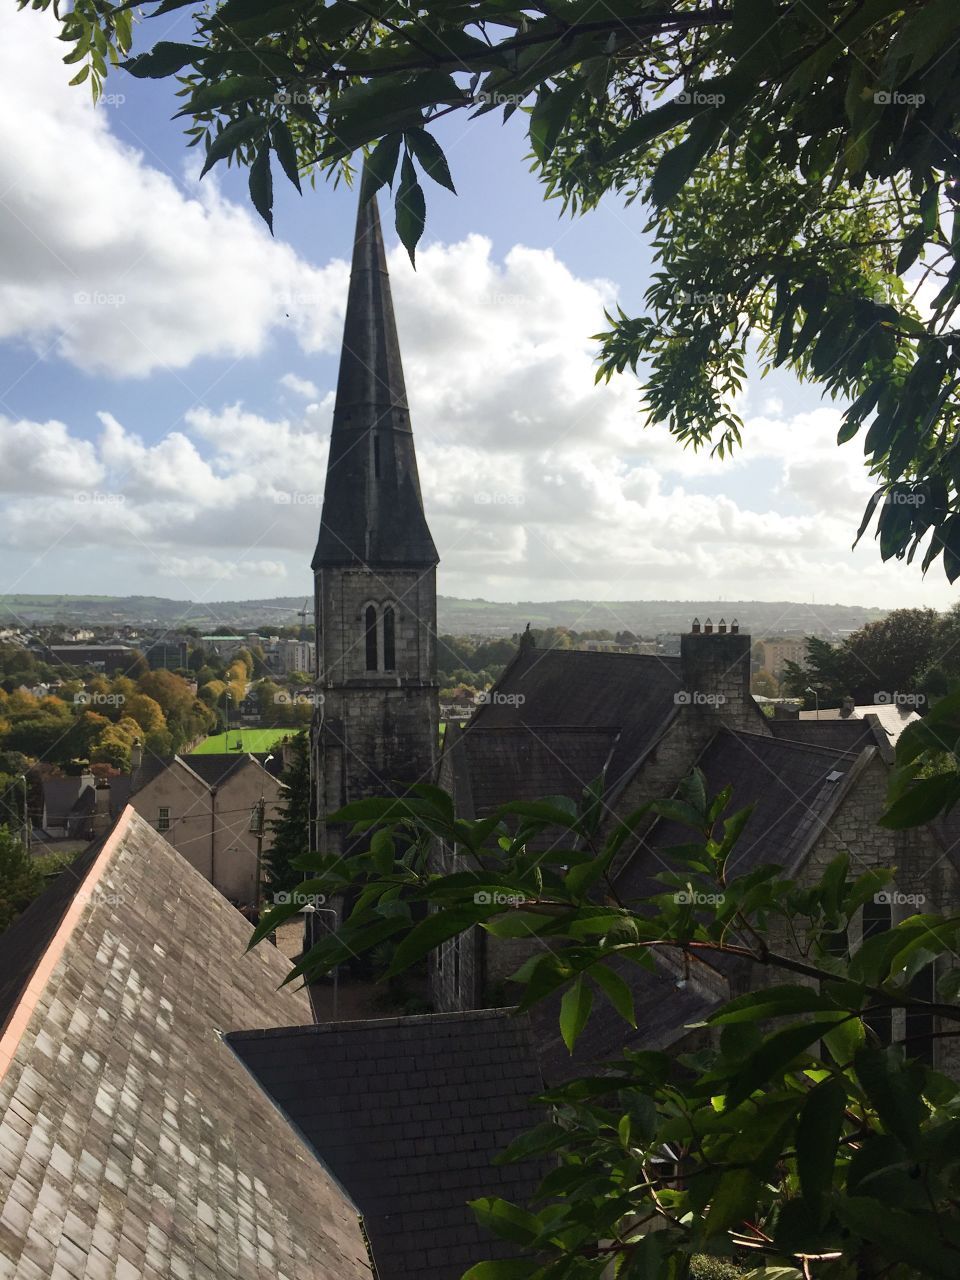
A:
{"x": 912, "y": 656}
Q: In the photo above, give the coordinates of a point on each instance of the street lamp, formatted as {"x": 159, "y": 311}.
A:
{"x": 308, "y": 911}
{"x": 816, "y": 696}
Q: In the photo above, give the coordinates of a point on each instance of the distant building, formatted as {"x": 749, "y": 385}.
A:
{"x": 111, "y": 659}
{"x": 296, "y": 656}
{"x": 776, "y": 653}
{"x": 165, "y": 656}
{"x": 226, "y": 647}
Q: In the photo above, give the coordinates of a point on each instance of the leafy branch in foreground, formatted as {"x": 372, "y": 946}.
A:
{"x": 796, "y": 1141}
{"x": 801, "y": 162}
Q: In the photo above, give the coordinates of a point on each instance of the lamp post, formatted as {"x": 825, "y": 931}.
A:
{"x": 226, "y": 719}
{"x": 311, "y": 910}
{"x": 816, "y": 697}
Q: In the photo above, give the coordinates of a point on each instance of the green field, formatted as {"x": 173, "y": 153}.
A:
{"x": 251, "y": 740}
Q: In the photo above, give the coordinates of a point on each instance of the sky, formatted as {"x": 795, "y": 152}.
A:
{"x": 167, "y": 372}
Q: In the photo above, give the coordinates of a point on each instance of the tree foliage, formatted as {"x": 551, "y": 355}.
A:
{"x": 797, "y": 1140}
{"x": 799, "y": 163}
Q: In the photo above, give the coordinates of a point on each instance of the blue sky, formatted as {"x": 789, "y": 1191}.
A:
{"x": 166, "y": 375}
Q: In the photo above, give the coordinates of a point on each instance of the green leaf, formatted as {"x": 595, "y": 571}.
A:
{"x": 164, "y": 59}
{"x": 432, "y": 160}
{"x": 922, "y": 802}
{"x": 379, "y": 166}
{"x": 233, "y": 136}
{"x": 286, "y": 150}
{"x": 506, "y": 1219}
{"x": 505, "y": 1269}
{"x": 574, "y": 1011}
{"x": 616, "y": 991}
{"x": 550, "y": 114}
{"x": 734, "y": 1199}
{"x": 777, "y": 1053}
{"x": 383, "y": 850}
{"x": 411, "y": 209}
{"x": 894, "y": 1089}
{"x": 773, "y": 1002}
{"x": 436, "y": 928}
{"x": 818, "y": 1133}
{"x": 903, "y": 1235}
{"x": 261, "y": 185}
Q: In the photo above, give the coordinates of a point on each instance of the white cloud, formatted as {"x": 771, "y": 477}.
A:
{"x": 106, "y": 260}
{"x": 300, "y": 386}
{"x": 537, "y": 482}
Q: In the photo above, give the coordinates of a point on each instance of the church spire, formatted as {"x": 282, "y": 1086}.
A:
{"x": 372, "y": 508}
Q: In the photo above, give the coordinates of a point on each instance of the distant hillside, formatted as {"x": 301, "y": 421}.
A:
{"x": 457, "y": 617}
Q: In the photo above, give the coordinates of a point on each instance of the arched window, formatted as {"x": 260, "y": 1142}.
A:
{"x": 389, "y": 640}
{"x": 370, "y": 637}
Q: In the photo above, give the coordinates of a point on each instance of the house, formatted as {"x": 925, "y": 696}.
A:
{"x": 892, "y": 713}
{"x": 208, "y": 807}
{"x": 167, "y": 1110}
{"x": 559, "y": 720}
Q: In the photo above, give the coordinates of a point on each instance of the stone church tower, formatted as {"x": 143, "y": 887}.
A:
{"x": 375, "y": 595}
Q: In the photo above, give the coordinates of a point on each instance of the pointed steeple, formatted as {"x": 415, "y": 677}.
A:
{"x": 372, "y": 508}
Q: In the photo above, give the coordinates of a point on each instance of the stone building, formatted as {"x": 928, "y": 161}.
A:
{"x": 376, "y": 727}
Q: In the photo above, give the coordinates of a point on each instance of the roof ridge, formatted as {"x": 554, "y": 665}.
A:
{"x": 791, "y": 743}
{"x": 397, "y": 1020}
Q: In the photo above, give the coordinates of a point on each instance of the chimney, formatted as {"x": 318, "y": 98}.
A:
{"x": 847, "y": 708}
{"x": 87, "y": 779}
{"x": 136, "y": 755}
{"x": 695, "y": 629}
{"x": 715, "y": 675}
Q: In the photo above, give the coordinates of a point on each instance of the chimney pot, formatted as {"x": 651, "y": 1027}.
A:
{"x": 696, "y": 626}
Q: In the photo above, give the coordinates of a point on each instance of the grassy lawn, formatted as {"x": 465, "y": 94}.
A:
{"x": 251, "y": 739}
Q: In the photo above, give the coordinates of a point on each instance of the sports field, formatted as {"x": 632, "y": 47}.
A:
{"x": 241, "y": 740}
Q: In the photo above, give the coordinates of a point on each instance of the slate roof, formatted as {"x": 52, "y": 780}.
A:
{"x": 133, "y": 1143}
{"x": 663, "y": 1011}
{"x": 514, "y": 763}
{"x": 570, "y": 687}
{"x": 839, "y": 735}
{"x": 213, "y": 769}
{"x": 408, "y": 1114}
{"x": 793, "y": 787}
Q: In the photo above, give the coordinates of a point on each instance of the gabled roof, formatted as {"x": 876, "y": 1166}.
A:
{"x": 793, "y": 787}
{"x": 408, "y": 1113}
{"x": 572, "y": 687}
{"x": 521, "y": 763}
{"x": 133, "y": 1143}
{"x": 212, "y": 770}
{"x": 839, "y": 735}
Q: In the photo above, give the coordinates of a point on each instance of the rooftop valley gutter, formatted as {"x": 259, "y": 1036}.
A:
{"x": 19, "y": 1020}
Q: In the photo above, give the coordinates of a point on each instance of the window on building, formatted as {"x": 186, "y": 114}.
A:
{"x": 163, "y": 818}
{"x": 376, "y": 455}
{"x": 389, "y": 640}
{"x": 877, "y": 919}
{"x": 370, "y": 627}
{"x": 919, "y": 1023}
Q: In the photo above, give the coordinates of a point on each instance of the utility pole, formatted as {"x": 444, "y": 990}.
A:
{"x": 257, "y": 824}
